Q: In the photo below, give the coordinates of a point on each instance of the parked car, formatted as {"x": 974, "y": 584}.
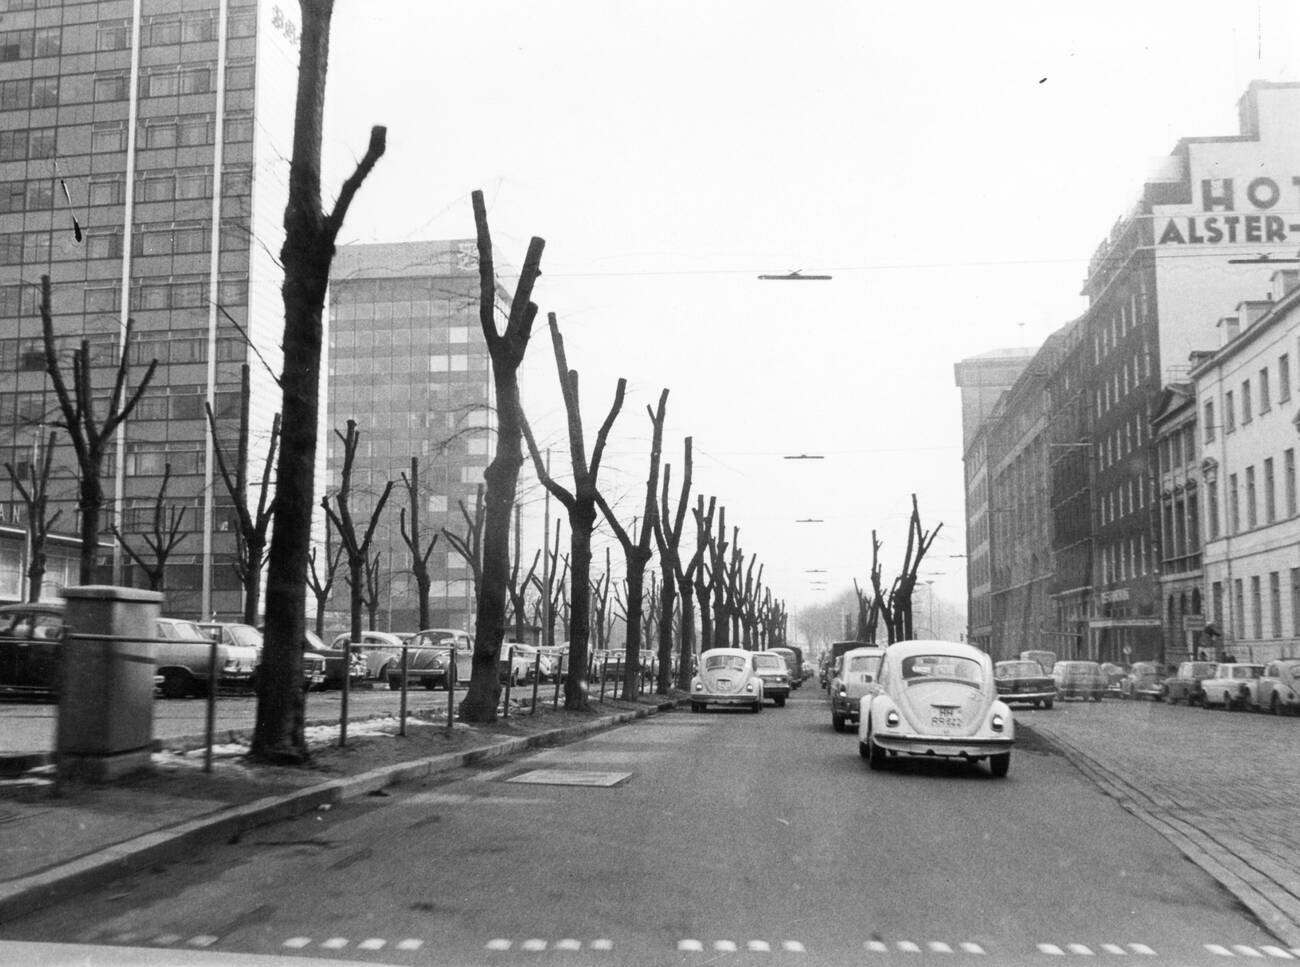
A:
{"x": 1079, "y": 679}
{"x": 1184, "y": 685}
{"x": 30, "y": 643}
{"x": 380, "y": 648}
{"x": 1115, "y": 674}
{"x": 727, "y": 677}
{"x": 794, "y": 661}
{"x": 774, "y": 669}
{"x": 1047, "y": 659}
{"x": 236, "y": 633}
{"x": 853, "y": 677}
{"x": 1142, "y": 681}
{"x": 435, "y": 658}
{"x": 515, "y": 662}
{"x": 1231, "y": 686}
{"x": 1278, "y": 689}
{"x": 936, "y": 699}
{"x": 335, "y": 657}
{"x": 1024, "y": 681}
{"x": 832, "y": 656}
{"x": 182, "y": 656}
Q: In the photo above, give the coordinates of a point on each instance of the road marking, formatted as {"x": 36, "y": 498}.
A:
{"x": 1114, "y": 948}
{"x": 297, "y": 943}
{"x": 759, "y": 946}
{"x": 1247, "y": 951}
{"x": 793, "y": 947}
{"x": 1277, "y": 952}
{"x": 1141, "y": 948}
{"x": 877, "y": 946}
{"x": 724, "y": 946}
{"x": 166, "y": 939}
{"x": 907, "y": 947}
{"x": 971, "y": 948}
{"x": 602, "y": 944}
{"x": 690, "y": 946}
{"x": 568, "y": 944}
{"x": 1080, "y": 949}
{"x": 410, "y": 944}
{"x": 1049, "y": 948}
{"x": 498, "y": 944}
{"x": 373, "y": 943}
{"x": 939, "y": 947}
{"x": 202, "y": 940}
{"x": 335, "y": 943}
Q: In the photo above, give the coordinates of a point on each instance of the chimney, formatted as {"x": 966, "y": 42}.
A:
{"x": 1228, "y": 328}
{"x": 1252, "y": 310}
{"x": 1283, "y": 281}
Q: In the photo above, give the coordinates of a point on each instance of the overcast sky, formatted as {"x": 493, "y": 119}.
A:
{"x": 952, "y": 165}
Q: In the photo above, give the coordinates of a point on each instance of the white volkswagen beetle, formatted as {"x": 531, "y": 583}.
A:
{"x": 727, "y": 677}
{"x": 936, "y": 699}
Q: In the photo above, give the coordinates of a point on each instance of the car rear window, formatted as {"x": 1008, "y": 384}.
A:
{"x": 769, "y": 661}
{"x": 942, "y": 667}
{"x": 1019, "y": 669}
{"x": 719, "y": 662}
{"x": 865, "y": 663}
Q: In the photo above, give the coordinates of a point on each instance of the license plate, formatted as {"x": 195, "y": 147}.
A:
{"x": 945, "y": 721}
{"x": 723, "y": 682}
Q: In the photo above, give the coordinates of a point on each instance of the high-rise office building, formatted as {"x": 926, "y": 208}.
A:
{"x": 143, "y": 148}
{"x": 408, "y": 363}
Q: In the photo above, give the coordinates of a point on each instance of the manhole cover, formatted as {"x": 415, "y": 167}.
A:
{"x": 569, "y": 777}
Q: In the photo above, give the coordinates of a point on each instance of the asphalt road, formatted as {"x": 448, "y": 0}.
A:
{"x": 724, "y": 837}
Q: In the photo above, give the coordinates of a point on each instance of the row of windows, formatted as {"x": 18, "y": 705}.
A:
{"x": 400, "y": 340}
{"x": 1130, "y": 496}
{"x": 1125, "y": 379}
{"x": 24, "y": 300}
{"x": 22, "y": 44}
{"x": 29, "y": 92}
{"x": 1176, "y": 450}
{"x": 1180, "y": 533}
{"x": 172, "y": 184}
{"x": 1122, "y": 441}
{"x": 1121, "y": 323}
{"x": 1244, "y": 489}
{"x": 170, "y": 29}
{"x": 1262, "y": 396}
{"x": 24, "y": 144}
{"x": 1251, "y": 615}
{"x": 1127, "y": 559}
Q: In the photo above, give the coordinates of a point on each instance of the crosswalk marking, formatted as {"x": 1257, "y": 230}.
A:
{"x": 568, "y": 944}
{"x": 498, "y": 944}
{"x": 602, "y": 944}
{"x": 1247, "y": 951}
{"x": 939, "y": 947}
{"x": 971, "y": 948}
{"x": 1277, "y": 952}
{"x": 724, "y": 946}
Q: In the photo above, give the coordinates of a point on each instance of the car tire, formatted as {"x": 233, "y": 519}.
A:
{"x": 876, "y": 756}
{"x": 1167, "y": 696}
{"x": 1047, "y": 703}
{"x": 780, "y": 701}
{"x": 176, "y": 683}
{"x": 1000, "y": 765}
{"x": 838, "y": 723}
{"x": 1273, "y": 706}
{"x": 1096, "y": 696}
{"x": 863, "y": 751}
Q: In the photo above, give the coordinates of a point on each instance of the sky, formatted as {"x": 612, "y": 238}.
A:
{"x": 952, "y": 166}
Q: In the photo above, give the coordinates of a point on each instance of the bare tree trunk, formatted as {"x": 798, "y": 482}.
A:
{"x": 307, "y": 253}
{"x": 35, "y": 495}
{"x": 414, "y": 542}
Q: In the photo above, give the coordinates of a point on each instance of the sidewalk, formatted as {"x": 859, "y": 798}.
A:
{"x": 1223, "y": 787}
{"x": 56, "y": 842}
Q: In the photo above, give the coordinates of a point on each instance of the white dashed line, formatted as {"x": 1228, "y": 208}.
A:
{"x": 907, "y": 947}
{"x": 1218, "y": 951}
{"x": 498, "y": 944}
{"x": 971, "y": 948}
{"x": 939, "y": 947}
{"x": 1277, "y": 952}
{"x": 373, "y": 943}
{"x": 759, "y": 946}
{"x": 602, "y": 944}
{"x": 535, "y": 945}
{"x": 1141, "y": 948}
{"x": 1081, "y": 949}
{"x": 793, "y": 947}
{"x": 690, "y": 946}
{"x": 202, "y": 940}
{"x": 568, "y": 944}
{"x": 876, "y": 947}
{"x": 724, "y": 946}
{"x": 1114, "y": 948}
{"x": 1051, "y": 948}
{"x": 410, "y": 944}
{"x": 165, "y": 939}
{"x": 335, "y": 943}
{"x": 297, "y": 943}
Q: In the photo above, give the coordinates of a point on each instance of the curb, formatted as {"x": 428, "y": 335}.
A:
{"x": 37, "y": 890}
{"x": 1272, "y": 906}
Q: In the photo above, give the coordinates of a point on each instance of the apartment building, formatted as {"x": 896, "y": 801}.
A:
{"x": 142, "y": 168}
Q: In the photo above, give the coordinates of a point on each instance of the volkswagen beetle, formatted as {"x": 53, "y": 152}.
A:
{"x": 727, "y": 677}
{"x": 936, "y": 699}
{"x": 853, "y": 677}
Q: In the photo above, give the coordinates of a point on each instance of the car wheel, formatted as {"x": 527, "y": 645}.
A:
{"x": 780, "y": 701}
{"x": 837, "y": 723}
{"x": 876, "y": 756}
{"x": 1273, "y": 706}
{"x": 176, "y": 684}
{"x": 863, "y": 750}
{"x": 696, "y": 707}
{"x": 1000, "y": 764}
{"x": 1047, "y": 703}
{"x": 430, "y": 684}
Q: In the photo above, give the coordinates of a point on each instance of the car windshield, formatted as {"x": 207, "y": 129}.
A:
{"x": 1247, "y": 671}
{"x": 714, "y": 663}
{"x": 949, "y": 668}
{"x": 769, "y": 661}
{"x": 1018, "y": 669}
{"x": 864, "y": 663}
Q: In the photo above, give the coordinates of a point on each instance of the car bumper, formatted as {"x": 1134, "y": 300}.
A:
{"x": 943, "y": 747}
{"x": 1070, "y": 691}
{"x": 745, "y": 700}
{"x": 417, "y": 677}
{"x": 846, "y": 705}
{"x": 1040, "y": 696}
{"x": 776, "y": 691}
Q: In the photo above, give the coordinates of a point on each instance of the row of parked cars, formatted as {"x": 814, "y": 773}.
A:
{"x": 738, "y": 678}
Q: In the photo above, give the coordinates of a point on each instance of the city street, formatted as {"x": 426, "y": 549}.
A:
{"x": 689, "y": 838}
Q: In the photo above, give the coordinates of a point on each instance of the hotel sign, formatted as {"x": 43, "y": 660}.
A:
{"x": 1233, "y": 212}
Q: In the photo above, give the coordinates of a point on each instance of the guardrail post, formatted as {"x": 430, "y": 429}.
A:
{"x": 510, "y": 673}
{"x": 452, "y": 682}
{"x": 210, "y": 715}
{"x": 559, "y": 677}
{"x": 401, "y": 726}
{"x": 537, "y": 679}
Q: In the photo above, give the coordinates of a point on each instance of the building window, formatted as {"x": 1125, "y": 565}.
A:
{"x": 1246, "y": 415}
{"x": 1239, "y": 609}
{"x": 1265, "y": 394}
{"x": 165, "y": 32}
{"x": 113, "y": 36}
{"x": 196, "y": 80}
{"x": 1252, "y": 519}
{"x": 103, "y": 244}
{"x": 102, "y": 299}
{"x": 112, "y": 87}
{"x": 157, "y": 187}
{"x": 1234, "y": 505}
{"x": 106, "y": 192}
{"x": 1229, "y": 412}
{"x": 1288, "y": 471}
{"x": 239, "y": 128}
{"x": 199, "y": 28}
{"x": 1257, "y": 608}
{"x": 239, "y": 77}
{"x": 160, "y": 135}
{"x": 1283, "y": 378}
{"x": 45, "y": 92}
{"x": 1270, "y": 493}
{"x": 1295, "y": 601}
{"x": 195, "y": 130}
{"x": 108, "y": 136}
{"x": 1275, "y": 603}
{"x": 164, "y": 84}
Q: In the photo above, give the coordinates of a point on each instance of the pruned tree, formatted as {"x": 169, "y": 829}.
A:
{"x": 637, "y": 553}
{"x": 882, "y": 602}
{"x": 251, "y": 534}
{"x": 414, "y": 540}
{"x": 600, "y": 611}
{"x": 518, "y": 587}
{"x": 470, "y": 544}
{"x": 550, "y": 588}
{"x": 702, "y": 586}
{"x": 868, "y": 613}
{"x": 918, "y": 543}
{"x": 35, "y": 494}
{"x": 165, "y": 535}
{"x": 90, "y": 436}
{"x": 581, "y": 508}
{"x": 307, "y": 253}
{"x": 355, "y": 548}
{"x": 321, "y": 581}
{"x": 719, "y": 583}
{"x": 502, "y": 474}
{"x": 373, "y": 594}
{"x": 668, "y": 538}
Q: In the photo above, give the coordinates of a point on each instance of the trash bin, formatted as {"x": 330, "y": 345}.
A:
{"x": 105, "y": 721}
